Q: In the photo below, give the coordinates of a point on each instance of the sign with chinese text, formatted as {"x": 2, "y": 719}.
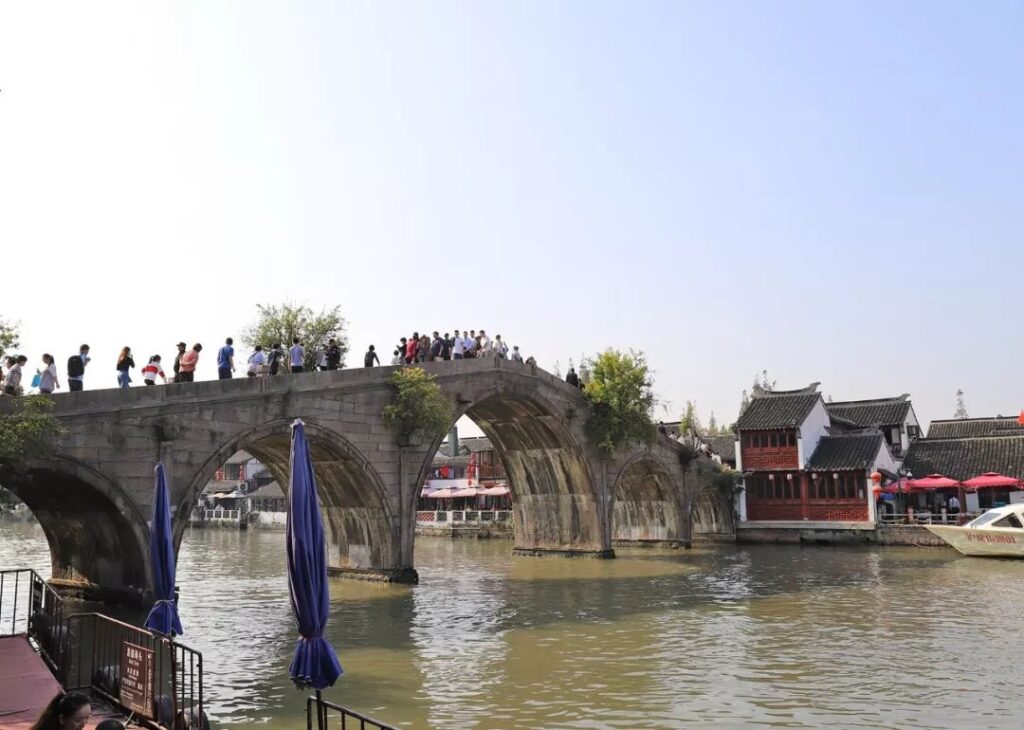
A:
{"x": 137, "y": 679}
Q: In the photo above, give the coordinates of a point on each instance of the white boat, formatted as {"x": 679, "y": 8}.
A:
{"x": 998, "y": 533}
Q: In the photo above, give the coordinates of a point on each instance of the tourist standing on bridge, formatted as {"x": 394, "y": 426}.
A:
{"x": 516, "y": 355}
{"x": 12, "y": 385}
{"x": 333, "y": 355}
{"x": 572, "y": 378}
{"x": 177, "y": 361}
{"x": 422, "y": 349}
{"x": 485, "y": 344}
{"x": 370, "y": 358}
{"x": 469, "y": 345}
{"x": 296, "y": 355}
{"x": 396, "y": 357}
{"x": 226, "y": 360}
{"x": 48, "y": 377}
{"x": 76, "y": 368}
{"x": 153, "y": 370}
{"x": 458, "y": 346}
{"x": 500, "y": 348}
{"x": 256, "y": 361}
{"x": 410, "y": 348}
{"x": 124, "y": 363}
{"x": 446, "y": 347}
{"x": 188, "y": 362}
{"x": 275, "y": 358}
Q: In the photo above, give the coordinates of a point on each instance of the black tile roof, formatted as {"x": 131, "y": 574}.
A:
{"x": 469, "y": 444}
{"x": 880, "y": 411}
{"x": 847, "y": 451}
{"x": 960, "y": 428}
{"x": 777, "y": 410}
{"x": 964, "y": 458}
{"x": 724, "y": 446}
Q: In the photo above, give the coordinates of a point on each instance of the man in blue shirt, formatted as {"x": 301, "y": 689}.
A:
{"x": 226, "y": 360}
{"x": 296, "y": 355}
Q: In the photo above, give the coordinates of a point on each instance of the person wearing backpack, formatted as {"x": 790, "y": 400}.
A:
{"x": 333, "y": 355}
{"x": 276, "y": 355}
{"x": 76, "y": 368}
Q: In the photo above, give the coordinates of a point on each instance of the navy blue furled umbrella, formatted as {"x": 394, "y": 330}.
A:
{"x": 315, "y": 664}
{"x": 163, "y": 619}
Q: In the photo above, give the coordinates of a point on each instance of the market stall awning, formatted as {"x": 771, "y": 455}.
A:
{"x": 498, "y": 491}
{"x": 933, "y": 481}
{"x": 991, "y": 479}
{"x": 439, "y": 494}
{"x": 467, "y": 492}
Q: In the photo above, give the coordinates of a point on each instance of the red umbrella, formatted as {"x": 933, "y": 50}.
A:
{"x": 902, "y": 485}
{"x": 933, "y": 481}
{"x": 991, "y": 479}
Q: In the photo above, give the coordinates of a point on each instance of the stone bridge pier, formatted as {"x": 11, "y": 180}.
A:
{"x": 93, "y": 493}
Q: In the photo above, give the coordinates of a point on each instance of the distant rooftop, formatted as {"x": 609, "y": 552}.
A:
{"x": 967, "y": 427}
{"x": 967, "y": 457}
{"x": 779, "y": 409}
{"x": 876, "y": 411}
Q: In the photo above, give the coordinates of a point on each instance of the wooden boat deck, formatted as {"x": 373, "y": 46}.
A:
{"x": 27, "y": 686}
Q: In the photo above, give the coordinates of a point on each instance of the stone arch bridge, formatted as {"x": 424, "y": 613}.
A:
{"x": 93, "y": 493}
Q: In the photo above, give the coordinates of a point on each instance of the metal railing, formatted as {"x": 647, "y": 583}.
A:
{"x": 444, "y": 517}
{"x": 926, "y": 518}
{"x": 98, "y": 645}
{"x": 329, "y": 715}
{"x": 28, "y": 605}
{"x": 234, "y": 515}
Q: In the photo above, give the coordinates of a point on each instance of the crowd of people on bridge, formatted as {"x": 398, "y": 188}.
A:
{"x": 462, "y": 345}
{"x": 272, "y": 360}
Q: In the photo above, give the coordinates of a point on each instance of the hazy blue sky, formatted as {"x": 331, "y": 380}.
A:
{"x": 830, "y": 191}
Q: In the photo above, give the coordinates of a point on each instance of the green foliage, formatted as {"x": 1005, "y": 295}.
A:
{"x": 8, "y": 337}
{"x": 283, "y": 322}
{"x": 419, "y": 407}
{"x": 621, "y": 400}
{"x": 26, "y": 427}
{"x": 690, "y": 421}
{"x": 726, "y": 481}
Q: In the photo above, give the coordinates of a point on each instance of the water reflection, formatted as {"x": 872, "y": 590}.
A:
{"x": 712, "y": 638}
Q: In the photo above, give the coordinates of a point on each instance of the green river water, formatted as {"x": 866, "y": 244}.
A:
{"x": 715, "y": 637}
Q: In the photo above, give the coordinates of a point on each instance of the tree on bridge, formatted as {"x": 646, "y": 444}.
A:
{"x": 280, "y": 323}
{"x": 621, "y": 400}
{"x": 419, "y": 409}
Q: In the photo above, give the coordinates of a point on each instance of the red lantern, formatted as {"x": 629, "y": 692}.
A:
{"x": 876, "y": 491}
{"x": 1020, "y": 418}
{"x": 876, "y": 477}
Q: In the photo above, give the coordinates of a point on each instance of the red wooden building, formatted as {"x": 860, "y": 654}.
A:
{"x": 800, "y": 467}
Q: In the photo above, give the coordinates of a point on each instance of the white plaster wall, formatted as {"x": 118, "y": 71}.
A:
{"x": 883, "y": 460}
{"x": 911, "y": 420}
{"x": 811, "y": 431}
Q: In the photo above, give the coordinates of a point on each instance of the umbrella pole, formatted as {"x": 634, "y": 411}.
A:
{"x": 321, "y": 714}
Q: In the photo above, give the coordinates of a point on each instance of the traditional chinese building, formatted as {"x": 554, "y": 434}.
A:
{"x": 894, "y": 417}
{"x": 802, "y": 464}
{"x": 962, "y": 449}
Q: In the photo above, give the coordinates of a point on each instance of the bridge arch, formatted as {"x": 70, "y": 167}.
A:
{"x": 358, "y": 516}
{"x": 555, "y": 496}
{"x": 646, "y": 503}
{"x": 98, "y": 538}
